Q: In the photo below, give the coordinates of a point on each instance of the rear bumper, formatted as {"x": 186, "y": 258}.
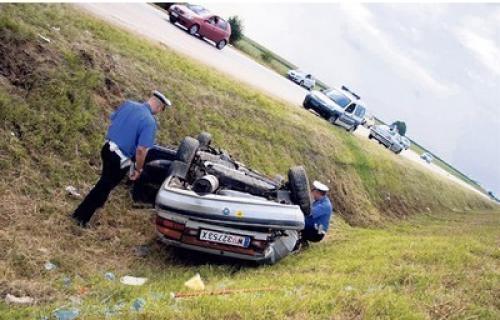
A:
{"x": 380, "y": 138}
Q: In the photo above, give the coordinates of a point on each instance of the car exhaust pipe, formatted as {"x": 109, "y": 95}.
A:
{"x": 206, "y": 184}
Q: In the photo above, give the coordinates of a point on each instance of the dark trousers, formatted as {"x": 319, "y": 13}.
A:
{"x": 110, "y": 177}
{"x": 312, "y": 235}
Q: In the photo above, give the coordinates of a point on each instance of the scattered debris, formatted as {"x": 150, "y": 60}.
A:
{"x": 133, "y": 281}
{"x": 73, "y": 192}
{"x": 195, "y": 283}
{"x": 141, "y": 251}
{"x": 43, "y": 250}
{"x": 12, "y": 134}
{"x": 109, "y": 276}
{"x": 64, "y": 314}
{"x": 56, "y": 28}
{"x": 348, "y": 288}
{"x": 218, "y": 292}
{"x": 139, "y": 304}
{"x": 67, "y": 281}
{"x": 44, "y": 38}
{"x": 49, "y": 266}
{"x": 11, "y": 299}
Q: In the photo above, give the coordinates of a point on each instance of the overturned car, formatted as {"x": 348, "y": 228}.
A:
{"x": 206, "y": 201}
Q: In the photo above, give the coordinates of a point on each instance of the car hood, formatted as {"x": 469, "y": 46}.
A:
{"x": 325, "y": 99}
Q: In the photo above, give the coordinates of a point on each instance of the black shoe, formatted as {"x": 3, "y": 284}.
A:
{"x": 80, "y": 223}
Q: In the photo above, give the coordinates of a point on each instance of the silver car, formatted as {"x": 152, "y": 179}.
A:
{"x": 386, "y": 136}
{"x": 305, "y": 80}
{"x": 209, "y": 202}
{"x": 427, "y": 157}
{"x": 405, "y": 142}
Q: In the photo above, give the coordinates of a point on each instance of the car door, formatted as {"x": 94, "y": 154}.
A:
{"x": 347, "y": 118}
{"x": 208, "y": 28}
{"x": 308, "y": 81}
{"x": 221, "y": 29}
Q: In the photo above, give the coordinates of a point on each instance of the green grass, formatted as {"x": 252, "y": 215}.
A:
{"x": 442, "y": 266}
{"x": 55, "y": 99}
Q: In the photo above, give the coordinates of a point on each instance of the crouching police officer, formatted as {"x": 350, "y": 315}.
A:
{"x": 131, "y": 133}
{"x": 317, "y": 223}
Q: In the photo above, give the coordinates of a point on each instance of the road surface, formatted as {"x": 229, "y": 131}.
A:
{"x": 152, "y": 22}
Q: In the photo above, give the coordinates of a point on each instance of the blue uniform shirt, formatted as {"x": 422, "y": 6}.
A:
{"x": 320, "y": 214}
{"x": 132, "y": 125}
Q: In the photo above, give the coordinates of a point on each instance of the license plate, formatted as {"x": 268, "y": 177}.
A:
{"x": 173, "y": 14}
{"x": 225, "y": 238}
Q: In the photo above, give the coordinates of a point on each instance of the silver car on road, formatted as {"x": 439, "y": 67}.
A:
{"x": 390, "y": 138}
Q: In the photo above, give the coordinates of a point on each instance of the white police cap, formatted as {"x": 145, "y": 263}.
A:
{"x": 162, "y": 98}
{"x": 319, "y": 186}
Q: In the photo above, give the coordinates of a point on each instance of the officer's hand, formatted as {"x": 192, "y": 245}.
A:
{"x": 134, "y": 176}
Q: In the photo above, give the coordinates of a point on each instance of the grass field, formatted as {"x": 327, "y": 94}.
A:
{"x": 55, "y": 99}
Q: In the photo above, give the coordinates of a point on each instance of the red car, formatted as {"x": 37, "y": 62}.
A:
{"x": 199, "y": 21}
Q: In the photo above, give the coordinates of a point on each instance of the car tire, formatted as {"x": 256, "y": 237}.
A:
{"x": 301, "y": 83}
{"x": 221, "y": 44}
{"x": 187, "y": 150}
{"x": 172, "y": 19}
{"x": 204, "y": 139}
{"x": 193, "y": 30}
{"x": 370, "y": 137}
{"x": 353, "y": 128}
{"x": 299, "y": 187}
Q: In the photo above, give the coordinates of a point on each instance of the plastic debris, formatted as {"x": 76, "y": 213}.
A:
{"x": 44, "y": 38}
{"x": 67, "y": 281}
{"x": 348, "y": 288}
{"x": 73, "y": 192}
{"x": 139, "y": 304}
{"x": 141, "y": 251}
{"x": 49, "y": 266}
{"x": 64, "y": 314}
{"x": 195, "y": 283}
{"x": 109, "y": 276}
{"x": 11, "y": 299}
{"x": 133, "y": 281}
{"x": 56, "y": 28}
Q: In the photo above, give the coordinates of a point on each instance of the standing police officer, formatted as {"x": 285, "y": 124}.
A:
{"x": 131, "y": 133}
{"x": 318, "y": 221}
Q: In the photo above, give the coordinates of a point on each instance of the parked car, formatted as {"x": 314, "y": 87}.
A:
{"x": 427, "y": 157}
{"x": 199, "y": 21}
{"x": 305, "y": 80}
{"x": 386, "y": 136}
{"x": 368, "y": 121}
{"x": 405, "y": 142}
{"x": 209, "y": 202}
{"x": 338, "y": 106}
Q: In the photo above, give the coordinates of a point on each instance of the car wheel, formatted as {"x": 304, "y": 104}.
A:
{"x": 353, "y": 128}
{"x": 204, "y": 139}
{"x": 221, "y": 44}
{"x": 301, "y": 83}
{"x": 187, "y": 150}
{"x": 193, "y": 30}
{"x": 332, "y": 119}
{"x": 370, "y": 136}
{"x": 172, "y": 19}
{"x": 299, "y": 187}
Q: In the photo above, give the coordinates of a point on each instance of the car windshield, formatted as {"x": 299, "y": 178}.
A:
{"x": 338, "y": 97}
{"x": 197, "y": 9}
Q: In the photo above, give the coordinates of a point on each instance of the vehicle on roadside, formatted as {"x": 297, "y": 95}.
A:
{"x": 427, "y": 157}
{"x": 305, "y": 80}
{"x": 405, "y": 142}
{"x": 200, "y": 22}
{"x": 206, "y": 201}
{"x": 339, "y": 106}
{"x": 386, "y": 136}
{"x": 368, "y": 121}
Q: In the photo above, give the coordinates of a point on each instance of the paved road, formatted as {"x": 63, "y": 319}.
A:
{"x": 151, "y": 22}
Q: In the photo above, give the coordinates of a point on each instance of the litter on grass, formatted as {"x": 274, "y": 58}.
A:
{"x": 64, "y": 314}
{"x": 109, "y": 276}
{"x": 217, "y": 292}
{"x": 11, "y": 299}
{"x": 73, "y": 192}
{"x": 138, "y": 304}
{"x": 44, "y": 38}
{"x": 133, "y": 281}
{"x": 49, "y": 266}
{"x": 195, "y": 283}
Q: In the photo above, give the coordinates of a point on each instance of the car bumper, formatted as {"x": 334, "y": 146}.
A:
{"x": 381, "y": 138}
